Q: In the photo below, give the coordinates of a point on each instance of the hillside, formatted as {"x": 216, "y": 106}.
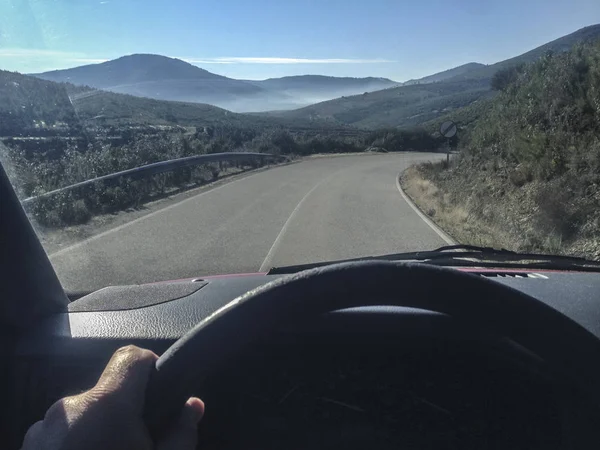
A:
{"x": 421, "y": 101}
{"x": 33, "y": 107}
{"x": 97, "y": 107}
{"x": 401, "y": 106}
{"x": 456, "y": 72}
{"x": 29, "y": 106}
{"x": 528, "y": 175}
{"x": 100, "y": 108}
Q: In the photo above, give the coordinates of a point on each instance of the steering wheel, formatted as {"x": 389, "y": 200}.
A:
{"x": 495, "y": 307}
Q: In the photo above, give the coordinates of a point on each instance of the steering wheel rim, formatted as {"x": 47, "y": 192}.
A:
{"x": 499, "y": 308}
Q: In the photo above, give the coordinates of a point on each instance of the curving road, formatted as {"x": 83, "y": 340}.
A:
{"x": 315, "y": 210}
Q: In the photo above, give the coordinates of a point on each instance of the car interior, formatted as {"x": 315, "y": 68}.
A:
{"x": 371, "y": 354}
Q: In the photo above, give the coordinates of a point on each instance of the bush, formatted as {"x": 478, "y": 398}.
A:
{"x": 520, "y": 175}
{"x": 556, "y": 215}
{"x": 506, "y": 77}
{"x": 76, "y": 213}
{"x": 64, "y": 209}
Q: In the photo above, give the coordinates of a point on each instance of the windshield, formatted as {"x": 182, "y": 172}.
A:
{"x": 153, "y": 141}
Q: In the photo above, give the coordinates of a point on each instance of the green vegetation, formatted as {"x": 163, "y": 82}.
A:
{"x": 35, "y": 172}
{"x": 31, "y": 107}
{"x": 530, "y": 162}
{"x": 506, "y": 77}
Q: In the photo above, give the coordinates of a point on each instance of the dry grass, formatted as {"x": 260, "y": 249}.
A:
{"x": 452, "y": 217}
{"x": 485, "y": 214}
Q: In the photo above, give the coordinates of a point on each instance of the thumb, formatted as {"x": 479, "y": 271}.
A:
{"x": 184, "y": 434}
{"x": 127, "y": 374}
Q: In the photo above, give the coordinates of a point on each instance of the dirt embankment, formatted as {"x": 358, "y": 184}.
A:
{"x": 480, "y": 209}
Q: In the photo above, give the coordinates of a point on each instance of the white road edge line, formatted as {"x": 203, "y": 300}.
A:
{"x": 266, "y": 265}
{"x": 426, "y": 219}
{"x": 152, "y": 214}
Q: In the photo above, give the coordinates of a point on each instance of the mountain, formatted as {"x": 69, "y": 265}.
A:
{"x": 163, "y": 78}
{"x": 459, "y": 71}
{"x": 129, "y": 70}
{"x": 420, "y": 101}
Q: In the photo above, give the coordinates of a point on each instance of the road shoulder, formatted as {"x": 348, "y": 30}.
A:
{"x": 453, "y": 219}
{"x": 441, "y": 233}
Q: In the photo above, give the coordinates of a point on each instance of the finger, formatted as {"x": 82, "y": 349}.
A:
{"x": 34, "y": 438}
{"x": 184, "y": 434}
{"x": 195, "y": 407}
{"x": 127, "y": 374}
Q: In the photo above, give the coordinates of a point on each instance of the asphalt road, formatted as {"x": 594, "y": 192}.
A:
{"x": 315, "y": 210}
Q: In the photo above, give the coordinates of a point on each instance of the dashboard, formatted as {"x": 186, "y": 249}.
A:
{"x": 377, "y": 377}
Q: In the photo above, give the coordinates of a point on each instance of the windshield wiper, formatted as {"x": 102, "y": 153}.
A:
{"x": 468, "y": 256}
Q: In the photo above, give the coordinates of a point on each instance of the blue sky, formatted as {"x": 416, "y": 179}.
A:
{"x": 258, "y": 39}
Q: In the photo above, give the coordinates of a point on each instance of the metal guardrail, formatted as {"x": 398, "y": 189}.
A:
{"x": 158, "y": 167}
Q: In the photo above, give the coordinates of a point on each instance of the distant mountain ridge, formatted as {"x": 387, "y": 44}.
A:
{"x": 419, "y": 101}
{"x": 325, "y": 82}
{"x": 164, "y": 78}
{"x": 137, "y": 68}
{"x": 472, "y": 71}
{"x": 459, "y": 71}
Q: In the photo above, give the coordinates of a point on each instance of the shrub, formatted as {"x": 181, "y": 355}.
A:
{"x": 506, "y": 77}
{"x": 76, "y": 213}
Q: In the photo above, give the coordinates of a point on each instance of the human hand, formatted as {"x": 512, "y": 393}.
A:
{"x": 109, "y": 416}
